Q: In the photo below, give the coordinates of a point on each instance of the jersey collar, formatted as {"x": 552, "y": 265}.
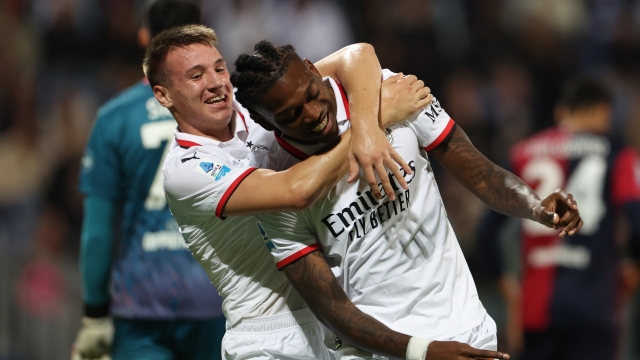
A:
{"x": 303, "y": 151}
{"x": 186, "y": 141}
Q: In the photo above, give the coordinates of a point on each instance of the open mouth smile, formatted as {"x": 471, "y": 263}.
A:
{"x": 216, "y": 99}
{"x": 323, "y": 125}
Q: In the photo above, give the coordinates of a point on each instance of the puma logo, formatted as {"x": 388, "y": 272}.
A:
{"x": 191, "y": 158}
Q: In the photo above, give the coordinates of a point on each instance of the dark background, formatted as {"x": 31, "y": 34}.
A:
{"x": 495, "y": 65}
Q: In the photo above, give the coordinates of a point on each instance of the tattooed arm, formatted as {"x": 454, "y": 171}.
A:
{"x": 321, "y": 291}
{"x": 502, "y": 190}
{"x": 314, "y": 280}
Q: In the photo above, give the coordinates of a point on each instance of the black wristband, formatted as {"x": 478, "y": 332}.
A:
{"x": 93, "y": 311}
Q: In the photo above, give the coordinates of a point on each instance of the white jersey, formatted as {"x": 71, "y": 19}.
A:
{"x": 398, "y": 261}
{"x": 200, "y": 175}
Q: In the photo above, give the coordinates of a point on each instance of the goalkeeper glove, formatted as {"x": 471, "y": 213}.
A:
{"x": 94, "y": 339}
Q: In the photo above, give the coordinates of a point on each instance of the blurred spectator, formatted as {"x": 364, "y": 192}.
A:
{"x": 45, "y": 293}
{"x": 60, "y": 58}
{"x": 239, "y": 24}
{"x": 315, "y": 28}
{"x": 568, "y": 305}
{"x": 511, "y": 95}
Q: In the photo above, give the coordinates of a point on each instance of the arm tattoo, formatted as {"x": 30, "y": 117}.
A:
{"x": 495, "y": 186}
{"x": 319, "y": 288}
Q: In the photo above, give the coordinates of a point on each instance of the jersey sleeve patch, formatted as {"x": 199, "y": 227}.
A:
{"x": 211, "y": 169}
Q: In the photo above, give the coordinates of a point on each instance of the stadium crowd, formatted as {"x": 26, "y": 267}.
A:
{"x": 498, "y": 66}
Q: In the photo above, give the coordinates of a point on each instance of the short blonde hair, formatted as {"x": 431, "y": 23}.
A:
{"x": 160, "y": 45}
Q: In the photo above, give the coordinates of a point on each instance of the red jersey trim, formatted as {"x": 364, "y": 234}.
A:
{"x": 626, "y": 183}
{"x": 345, "y": 100}
{"x": 243, "y": 121}
{"x": 232, "y": 188}
{"x": 442, "y": 135}
{"x": 295, "y": 152}
{"x": 186, "y": 143}
{"x": 297, "y": 255}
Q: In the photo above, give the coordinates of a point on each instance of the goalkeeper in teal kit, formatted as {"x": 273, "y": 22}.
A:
{"x": 162, "y": 302}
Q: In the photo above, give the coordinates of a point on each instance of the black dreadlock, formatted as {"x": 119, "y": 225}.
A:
{"x": 258, "y": 72}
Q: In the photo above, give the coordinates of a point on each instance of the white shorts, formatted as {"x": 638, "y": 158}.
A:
{"x": 288, "y": 336}
{"x": 483, "y": 336}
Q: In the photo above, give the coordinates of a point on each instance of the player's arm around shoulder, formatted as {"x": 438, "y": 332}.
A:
{"x": 296, "y": 188}
{"x": 199, "y": 181}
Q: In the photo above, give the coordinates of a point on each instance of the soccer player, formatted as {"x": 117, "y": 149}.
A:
{"x": 397, "y": 260}
{"x": 569, "y": 290}
{"x": 209, "y": 181}
{"x": 162, "y": 303}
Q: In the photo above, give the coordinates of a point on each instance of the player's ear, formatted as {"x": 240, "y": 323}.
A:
{"x": 261, "y": 120}
{"x": 162, "y": 95}
{"x": 311, "y": 67}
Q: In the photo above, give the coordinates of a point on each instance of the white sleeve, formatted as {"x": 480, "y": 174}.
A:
{"x": 287, "y": 236}
{"x": 431, "y": 125}
{"x": 278, "y": 159}
{"x": 202, "y": 186}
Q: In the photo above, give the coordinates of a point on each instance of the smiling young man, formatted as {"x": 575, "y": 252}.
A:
{"x": 391, "y": 264}
{"x": 209, "y": 176}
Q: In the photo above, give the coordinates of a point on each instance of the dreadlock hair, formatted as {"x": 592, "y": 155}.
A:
{"x": 256, "y": 73}
{"x": 160, "y": 45}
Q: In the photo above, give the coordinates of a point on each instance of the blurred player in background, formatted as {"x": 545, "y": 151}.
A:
{"x": 566, "y": 305}
{"x": 162, "y": 302}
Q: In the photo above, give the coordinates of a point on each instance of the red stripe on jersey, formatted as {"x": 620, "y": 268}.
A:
{"x": 227, "y": 194}
{"x": 243, "y": 121}
{"x": 297, "y": 255}
{"x": 345, "y": 100}
{"x": 187, "y": 143}
{"x": 626, "y": 177}
{"x": 291, "y": 149}
{"x": 442, "y": 135}
{"x": 537, "y": 286}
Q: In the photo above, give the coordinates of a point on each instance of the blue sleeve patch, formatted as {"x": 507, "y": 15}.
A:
{"x": 212, "y": 169}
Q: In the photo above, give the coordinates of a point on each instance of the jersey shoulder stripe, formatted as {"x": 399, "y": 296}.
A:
{"x": 297, "y": 255}
{"x": 442, "y": 136}
{"x": 186, "y": 143}
{"x": 227, "y": 194}
{"x": 295, "y": 152}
